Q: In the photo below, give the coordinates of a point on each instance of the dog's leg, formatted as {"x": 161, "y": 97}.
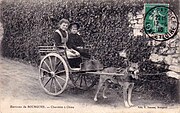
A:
{"x": 125, "y": 88}
{"x": 105, "y": 87}
{"x": 130, "y": 94}
{"x": 98, "y": 89}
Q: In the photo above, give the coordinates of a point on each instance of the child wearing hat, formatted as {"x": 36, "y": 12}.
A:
{"x": 75, "y": 40}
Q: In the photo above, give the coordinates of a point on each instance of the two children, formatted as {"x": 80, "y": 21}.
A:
{"x": 72, "y": 41}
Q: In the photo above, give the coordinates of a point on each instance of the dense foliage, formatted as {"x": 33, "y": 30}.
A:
{"x": 104, "y": 25}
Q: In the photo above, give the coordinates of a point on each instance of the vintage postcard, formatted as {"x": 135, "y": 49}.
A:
{"x": 89, "y": 56}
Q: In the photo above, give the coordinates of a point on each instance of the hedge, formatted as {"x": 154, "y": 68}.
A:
{"x": 104, "y": 24}
{"x": 29, "y": 24}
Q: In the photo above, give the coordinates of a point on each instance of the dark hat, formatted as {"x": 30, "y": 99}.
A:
{"x": 74, "y": 24}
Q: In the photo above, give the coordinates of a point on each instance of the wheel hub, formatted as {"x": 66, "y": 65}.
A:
{"x": 53, "y": 74}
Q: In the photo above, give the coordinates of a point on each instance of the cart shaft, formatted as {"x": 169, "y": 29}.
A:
{"x": 103, "y": 73}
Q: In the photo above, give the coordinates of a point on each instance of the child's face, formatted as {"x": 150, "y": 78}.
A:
{"x": 63, "y": 26}
{"x": 74, "y": 30}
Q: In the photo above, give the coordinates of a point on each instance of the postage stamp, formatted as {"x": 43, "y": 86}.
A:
{"x": 160, "y": 22}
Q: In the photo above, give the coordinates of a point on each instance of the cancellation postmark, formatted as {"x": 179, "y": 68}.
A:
{"x": 160, "y": 22}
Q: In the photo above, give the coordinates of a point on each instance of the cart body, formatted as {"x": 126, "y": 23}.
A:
{"x": 55, "y": 71}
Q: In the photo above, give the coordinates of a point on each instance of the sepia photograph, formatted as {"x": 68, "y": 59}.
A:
{"x": 89, "y": 56}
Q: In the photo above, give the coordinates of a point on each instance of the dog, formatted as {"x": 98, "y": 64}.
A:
{"x": 128, "y": 73}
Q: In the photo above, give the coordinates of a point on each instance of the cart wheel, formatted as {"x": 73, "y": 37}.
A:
{"x": 83, "y": 81}
{"x": 54, "y": 74}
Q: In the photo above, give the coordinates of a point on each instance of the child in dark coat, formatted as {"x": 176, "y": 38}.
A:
{"x": 75, "y": 40}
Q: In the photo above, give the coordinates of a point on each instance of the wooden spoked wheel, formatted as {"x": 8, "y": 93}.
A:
{"x": 83, "y": 81}
{"x": 54, "y": 74}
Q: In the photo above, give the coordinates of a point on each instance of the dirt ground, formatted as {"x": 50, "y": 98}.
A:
{"x": 20, "y": 92}
{"x": 19, "y": 86}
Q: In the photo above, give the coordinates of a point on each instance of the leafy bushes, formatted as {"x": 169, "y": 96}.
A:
{"x": 29, "y": 24}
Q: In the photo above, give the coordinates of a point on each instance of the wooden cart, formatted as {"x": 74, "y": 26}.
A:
{"x": 55, "y": 72}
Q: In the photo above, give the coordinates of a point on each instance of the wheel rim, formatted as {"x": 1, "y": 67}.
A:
{"x": 54, "y": 74}
{"x": 83, "y": 81}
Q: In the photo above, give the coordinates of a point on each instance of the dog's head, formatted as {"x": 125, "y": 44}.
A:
{"x": 134, "y": 70}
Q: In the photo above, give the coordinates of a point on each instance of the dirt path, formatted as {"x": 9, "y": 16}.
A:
{"x": 19, "y": 85}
